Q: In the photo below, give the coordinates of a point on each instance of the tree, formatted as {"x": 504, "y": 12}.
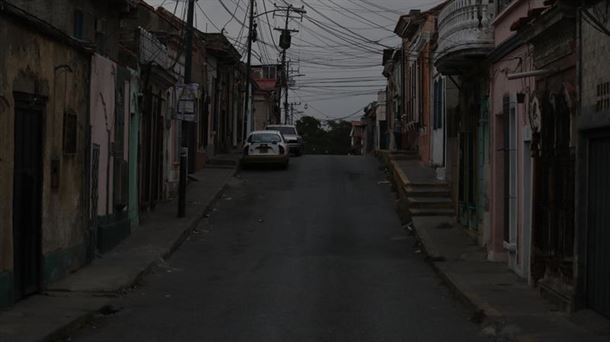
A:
{"x": 334, "y": 140}
{"x": 308, "y": 126}
{"x": 311, "y": 130}
{"x": 338, "y": 137}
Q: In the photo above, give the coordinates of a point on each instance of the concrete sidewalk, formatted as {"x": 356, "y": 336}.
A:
{"x": 87, "y": 292}
{"x": 507, "y": 307}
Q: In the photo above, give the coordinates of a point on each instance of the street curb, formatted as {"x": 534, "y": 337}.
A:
{"x": 482, "y": 314}
{"x": 61, "y": 333}
{"x": 186, "y": 233}
{"x": 65, "y": 331}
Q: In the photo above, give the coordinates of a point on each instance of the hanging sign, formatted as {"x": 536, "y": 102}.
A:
{"x": 186, "y": 101}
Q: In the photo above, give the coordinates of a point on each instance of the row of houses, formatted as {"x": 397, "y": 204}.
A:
{"x": 509, "y": 103}
{"x": 91, "y": 109}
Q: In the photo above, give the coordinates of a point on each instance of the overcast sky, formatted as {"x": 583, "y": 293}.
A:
{"x": 337, "y": 51}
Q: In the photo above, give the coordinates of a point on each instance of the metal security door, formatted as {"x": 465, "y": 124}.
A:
{"x": 27, "y": 199}
{"x": 151, "y": 147}
{"x": 554, "y": 184}
{"x": 598, "y": 236}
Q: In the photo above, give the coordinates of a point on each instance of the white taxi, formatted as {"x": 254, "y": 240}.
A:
{"x": 265, "y": 147}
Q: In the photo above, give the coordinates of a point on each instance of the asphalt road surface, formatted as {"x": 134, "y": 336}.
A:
{"x": 313, "y": 253}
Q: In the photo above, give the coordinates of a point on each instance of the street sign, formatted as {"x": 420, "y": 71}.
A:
{"x": 186, "y": 102}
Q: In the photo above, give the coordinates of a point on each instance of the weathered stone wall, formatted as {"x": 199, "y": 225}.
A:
{"x": 34, "y": 63}
{"x": 101, "y": 20}
{"x": 595, "y": 71}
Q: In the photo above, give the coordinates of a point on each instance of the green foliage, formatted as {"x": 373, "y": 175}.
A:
{"x": 333, "y": 140}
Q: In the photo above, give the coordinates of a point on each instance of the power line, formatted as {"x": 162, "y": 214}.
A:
{"x": 269, "y": 25}
{"x": 232, "y": 15}
{"x": 359, "y": 16}
{"x": 345, "y": 28}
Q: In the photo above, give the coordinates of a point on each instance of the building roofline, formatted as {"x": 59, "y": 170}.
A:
{"x": 44, "y": 28}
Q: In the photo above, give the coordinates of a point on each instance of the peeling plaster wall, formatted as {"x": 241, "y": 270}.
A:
{"x": 595, "y": 72}
{"x": 133, "y": 138}
{"x": 95, "y": 13}
{"x": 262, "y": 107}
{"x": 37, "y": 65}
{"x": 172, "y": 130}
{"x": 103, "y": 80}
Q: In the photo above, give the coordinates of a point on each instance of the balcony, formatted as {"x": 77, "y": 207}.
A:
{"x": 465, "y": 35}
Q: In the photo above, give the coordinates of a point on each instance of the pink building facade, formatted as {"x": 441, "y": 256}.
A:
{"x": 511, "y": 188}
{"x": 102, "y": 112}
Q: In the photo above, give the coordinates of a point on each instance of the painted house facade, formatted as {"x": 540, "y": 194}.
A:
{"x": 465, "y": 37}
{"x": 551, "y": 31}
{"x": 392, "y": 72}
{"x": 45, "y": 108}
{"x": 226, "y": 79}
{"x": 91, "y": 138}
{"x": 592, "y": 157}
{"x": 381, "y": 123}
{"x": 265, "y": 96}
{"x": 511, "y": 191}
{"x": 517, "y": 106}
{"x": 417, "y": 30}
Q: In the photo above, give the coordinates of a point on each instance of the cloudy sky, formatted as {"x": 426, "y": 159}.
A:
{"x": 336, "y": 54}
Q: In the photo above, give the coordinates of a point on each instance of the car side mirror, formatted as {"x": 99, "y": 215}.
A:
{"x": 274, "y": 143}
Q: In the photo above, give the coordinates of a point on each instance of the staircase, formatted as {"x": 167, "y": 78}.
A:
{"x": 423, "y": 193}
{"x": 429, "y": 199}
{"x": 403, "y": 155}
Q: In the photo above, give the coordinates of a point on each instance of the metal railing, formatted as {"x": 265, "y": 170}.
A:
{"x": 465, "y": 24}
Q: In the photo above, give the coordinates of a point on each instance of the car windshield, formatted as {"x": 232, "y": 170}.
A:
{"x": 264, "y": 138}
{"x": 285, "y": 130}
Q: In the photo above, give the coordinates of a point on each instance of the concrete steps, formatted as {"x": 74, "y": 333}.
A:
{"x": 431, "y": 212}
{"x": 429, "y": 199}
{"x": 427, "y": 191}
{"x": 430, "y": 202}
{"x": 404, "y": 155}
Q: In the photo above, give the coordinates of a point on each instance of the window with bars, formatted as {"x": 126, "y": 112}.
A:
{"x": 269, "y": 72}
{"x": 603, "y": 97}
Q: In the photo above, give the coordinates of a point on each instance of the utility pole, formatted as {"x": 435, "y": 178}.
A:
{"x": 286, "y": 90}
{"x": 291, "y": 113}
{"x": 285, "y": 65}
{"x": 285, "y": 45}
{"x": 247, "y": 99}
{"x": 186, "y": 126}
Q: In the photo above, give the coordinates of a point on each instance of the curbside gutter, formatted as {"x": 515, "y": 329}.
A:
{"x": 61, "y": 333}
{"x": 193, "y": 223}
{"x": 482, "y": 312}
{"x": 76, "y": 323}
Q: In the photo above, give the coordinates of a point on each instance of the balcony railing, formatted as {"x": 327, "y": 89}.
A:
{"x": 464, "y": 33}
